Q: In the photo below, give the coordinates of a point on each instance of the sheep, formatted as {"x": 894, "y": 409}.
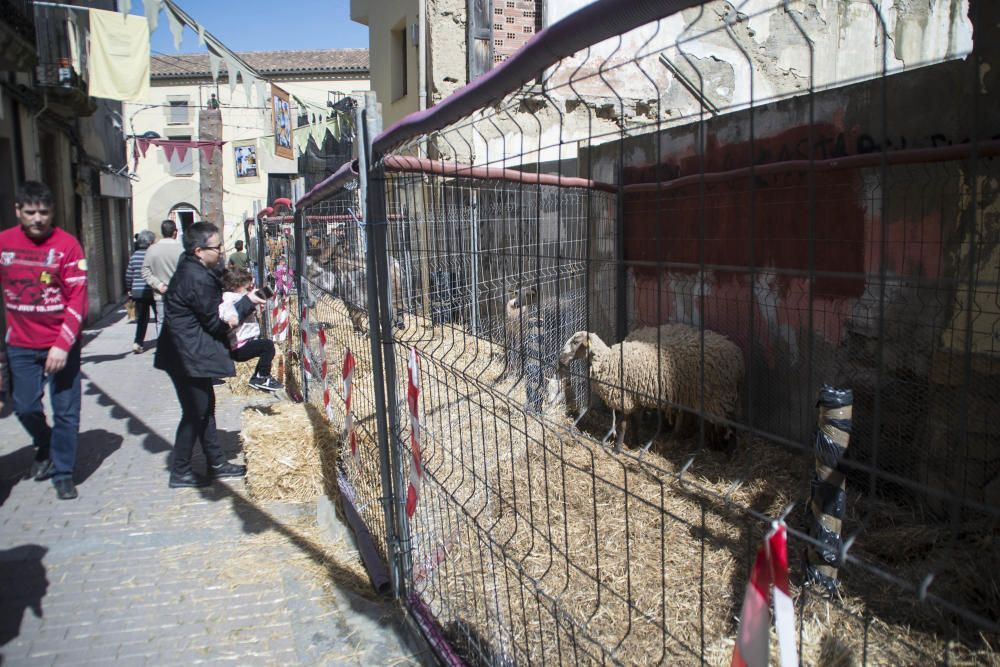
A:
{"x": 659, "y": 368}
{"x": 340, "y": 269}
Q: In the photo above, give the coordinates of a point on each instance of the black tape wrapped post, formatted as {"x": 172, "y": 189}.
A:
{"x": 828, "y": 499}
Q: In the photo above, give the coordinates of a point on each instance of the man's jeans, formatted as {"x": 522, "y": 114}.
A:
{"x": 27, "y": 374}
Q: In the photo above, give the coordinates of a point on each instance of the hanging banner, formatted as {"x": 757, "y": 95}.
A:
{"x": 247, "y": 166}
{"x": 281, "y": 112}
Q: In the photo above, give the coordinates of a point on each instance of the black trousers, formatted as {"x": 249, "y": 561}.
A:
{"x": 259, "y": 347}
{"x": 142, "y": 319}
{"x": 197, "y": 399}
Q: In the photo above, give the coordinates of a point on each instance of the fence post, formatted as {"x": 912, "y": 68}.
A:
{"x": 298, "y": 231}
{"x": 372, "y": 183}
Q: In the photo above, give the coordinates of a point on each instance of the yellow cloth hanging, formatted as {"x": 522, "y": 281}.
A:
{"x": 119, "y": 56}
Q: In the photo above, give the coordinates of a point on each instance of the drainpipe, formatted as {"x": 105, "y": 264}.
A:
{"x": 422, "y": 63}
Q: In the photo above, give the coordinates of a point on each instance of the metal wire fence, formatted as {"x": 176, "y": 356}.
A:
{"x": 628, "y": 282}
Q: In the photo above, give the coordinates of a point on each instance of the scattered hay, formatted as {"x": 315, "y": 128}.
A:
{"x": 534, "y": 542}
{"x": 284, "y": 453}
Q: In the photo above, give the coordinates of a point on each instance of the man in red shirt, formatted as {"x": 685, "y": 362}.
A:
{"x": 43, "y": 275}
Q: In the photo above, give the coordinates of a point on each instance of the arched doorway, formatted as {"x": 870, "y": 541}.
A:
{"x": 184, "y": 215}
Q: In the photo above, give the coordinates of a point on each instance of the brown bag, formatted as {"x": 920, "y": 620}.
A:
{"x": 130, "y": 309}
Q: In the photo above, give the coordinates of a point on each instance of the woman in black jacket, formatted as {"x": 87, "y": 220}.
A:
{"x": 193, "y": 349}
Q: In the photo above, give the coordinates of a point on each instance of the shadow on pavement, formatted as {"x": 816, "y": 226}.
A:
{"x": 152, "y": 443}
{"x": 24, "y": 584}
{"x": 95, "y": 446}
{"x": 256, "y": 520}
{"x": 13, "y": 467}
{"x": 101, "y": 358}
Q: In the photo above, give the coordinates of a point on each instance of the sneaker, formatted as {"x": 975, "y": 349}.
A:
{"x": 187, "y": 480}
{"x": 266, "y": 383}
{"x": 65, "y": 488}
{"x": 136, "y": 348}
{"x": 41, "y": 470}
{"x": 227, "y": 470}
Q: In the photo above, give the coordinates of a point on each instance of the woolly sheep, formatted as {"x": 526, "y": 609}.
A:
{"x": 659, "y": 368}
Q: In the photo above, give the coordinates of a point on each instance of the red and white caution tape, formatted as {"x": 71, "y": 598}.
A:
{"x": 769, "y": 569}
{"x": 306, "y": 352}
{"x": 347, "y": 375}
{"x": 416, "y": 465}
{"x": 279, "y": 315}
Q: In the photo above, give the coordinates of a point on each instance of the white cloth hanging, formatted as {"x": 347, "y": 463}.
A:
{"x": 176, "y": 28}
{"x": 119, "y": 57}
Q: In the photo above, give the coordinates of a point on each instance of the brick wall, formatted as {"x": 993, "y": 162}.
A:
{"x": 514, "y": 22}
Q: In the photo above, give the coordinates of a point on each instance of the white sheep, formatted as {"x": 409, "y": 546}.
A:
{"x": 659, "y": 368}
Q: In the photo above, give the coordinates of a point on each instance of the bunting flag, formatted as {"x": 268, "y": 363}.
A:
{"x": 125, "y": 7}
{"x": 152, "y": 10}
{"x": 232, "y": 70}
{"x": 279, "y": 330}
{"x": 416, "y": 464}
{"x": 214, "y": 63}
{"x": 249, "y": 87}
{"x": 178, "y": 146}
{"x": 770, "y": 569}
{"x": 347, "y": 377}
{"x": 263, "y": 89}
{"x": 176, "y": 28}
{"x": 201, "y": 35}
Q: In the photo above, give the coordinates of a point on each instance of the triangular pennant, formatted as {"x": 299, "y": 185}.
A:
{"x": 152, "y": 10}
{"x": 125, "y": 7}
{"x": 182, "y": 151}
{"x": 232, "y": 70}
{"x": 168, "y": 150}
{"x": 176, "y": 28}
{"x": 249, "y": 84}
{"x": 201, "y": 35}
{"x": 214, "y": 62}
{"x": 143, "y": 145}
{"x": 262, "y": 92}
{"x": 207, "y": 152}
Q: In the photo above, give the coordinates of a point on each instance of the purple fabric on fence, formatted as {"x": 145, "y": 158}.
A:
{"x": 586, "y": 26}
{"x": 330, "y": 184}
{"x": 432, "y": 632}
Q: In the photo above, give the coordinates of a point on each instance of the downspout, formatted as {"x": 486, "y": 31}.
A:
{"x": 422, "y": 64}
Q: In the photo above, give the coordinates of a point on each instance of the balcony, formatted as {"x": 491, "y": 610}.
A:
{"x": 61, "y": 36}
{"x": 17, "y": 36}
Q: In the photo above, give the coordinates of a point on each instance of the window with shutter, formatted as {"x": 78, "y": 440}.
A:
{"x": 480, "y": 44}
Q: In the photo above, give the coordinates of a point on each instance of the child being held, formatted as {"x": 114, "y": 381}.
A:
{"x": 244, "y": 341}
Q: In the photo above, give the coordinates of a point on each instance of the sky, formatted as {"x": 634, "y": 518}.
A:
{"x": 250, "y": 25}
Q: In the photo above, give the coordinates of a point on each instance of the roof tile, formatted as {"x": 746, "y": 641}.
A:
{"x": 320, "y": 61}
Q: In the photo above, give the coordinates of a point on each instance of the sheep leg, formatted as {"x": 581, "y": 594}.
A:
{"x": 678, "y": 425}
{"x": 614, "y": 422}
{"x": 622, "y": 427}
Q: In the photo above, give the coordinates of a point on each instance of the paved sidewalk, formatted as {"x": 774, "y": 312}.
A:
{"x": 136, "y": 573}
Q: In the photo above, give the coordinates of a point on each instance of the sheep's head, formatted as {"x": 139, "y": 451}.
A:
{"x": 576, "y": 347}
{"x": 520, "y": 298}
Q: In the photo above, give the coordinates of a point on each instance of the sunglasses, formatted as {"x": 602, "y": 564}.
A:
{"x": 216, "y": 248}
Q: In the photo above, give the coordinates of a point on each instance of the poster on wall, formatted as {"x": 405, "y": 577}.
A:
{"x": 281, "y": 112}
{"x": 247, "y": 166}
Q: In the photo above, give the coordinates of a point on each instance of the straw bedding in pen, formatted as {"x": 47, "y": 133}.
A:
{"x": 527, "y": 546}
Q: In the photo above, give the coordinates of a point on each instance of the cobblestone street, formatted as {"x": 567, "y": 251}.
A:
{"x": 140, "y": 574}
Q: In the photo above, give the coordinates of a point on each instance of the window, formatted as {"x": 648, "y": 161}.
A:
{"x": 399, "y": 74}
{"x": 179, "y": 110}
{"x": 481, "y": 36}
{"x": 182, "y": 167}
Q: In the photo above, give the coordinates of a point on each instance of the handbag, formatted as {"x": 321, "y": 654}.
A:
{"x": 130, "y": 309}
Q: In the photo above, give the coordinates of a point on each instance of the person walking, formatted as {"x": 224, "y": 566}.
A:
{"x": 43, "y": 275}
{"x": 161, "y": 259}
{"x": 193, "y": 349}
{"x": 140, "y": 291}
{"x": 238, "y": 260}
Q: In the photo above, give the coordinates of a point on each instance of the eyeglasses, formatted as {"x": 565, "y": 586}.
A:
{"x": 216, "y": 248}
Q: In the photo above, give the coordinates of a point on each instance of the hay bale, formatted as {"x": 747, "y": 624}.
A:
{"x": 287, "y": 453}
